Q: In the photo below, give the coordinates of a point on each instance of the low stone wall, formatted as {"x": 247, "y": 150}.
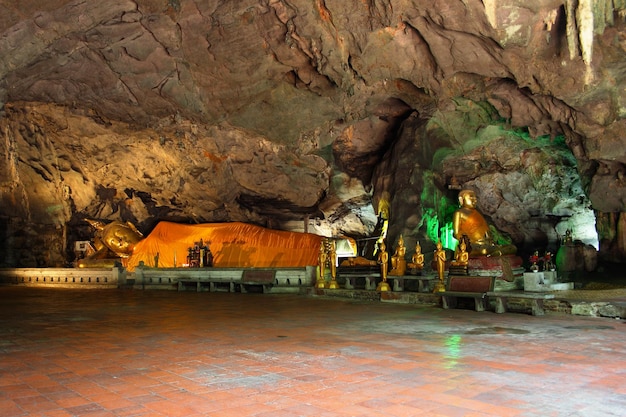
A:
{"x": 274, "y": 280}
{"x": 63, "y": 277}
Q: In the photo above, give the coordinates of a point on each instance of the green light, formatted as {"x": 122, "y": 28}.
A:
{"x": 432, "y": 224}
{"x": 453, "y": 346}
{"x": 447, "y": 239}
{"x": 437, "y": 211}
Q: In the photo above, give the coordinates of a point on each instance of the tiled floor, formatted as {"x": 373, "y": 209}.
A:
{"x": 134, "y": 353}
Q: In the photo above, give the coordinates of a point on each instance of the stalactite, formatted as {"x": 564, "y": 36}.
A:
{"x": 490, "y": 11}
{"x": 601, "y": 10}
{"x": 585, "y": 19}
{"x": 571, "y": 28}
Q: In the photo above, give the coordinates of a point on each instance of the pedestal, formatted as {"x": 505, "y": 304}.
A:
{"x": 544, "y": 281}
{"x": 383, "y": 286}
{"x": 504, "y": 267}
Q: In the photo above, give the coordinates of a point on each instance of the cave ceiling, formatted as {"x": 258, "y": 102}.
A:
{"x": 275, "y": 111}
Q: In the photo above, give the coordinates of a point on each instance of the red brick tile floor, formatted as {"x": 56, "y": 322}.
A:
{"x": 161, "y": 353}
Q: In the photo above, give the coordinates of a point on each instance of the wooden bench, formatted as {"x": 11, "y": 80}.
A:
{"x": 467, "y": 286}
{"x": 536, "y": 298}
{"x": 366, "y": 273}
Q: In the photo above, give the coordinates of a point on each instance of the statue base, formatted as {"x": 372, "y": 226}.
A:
{"x": 506, "y": 267}
{"x": 383, "y": 286}
{"x": 439, "y": 287}
{"x": 333, "y": 285}
{"x": 99, "y": 263}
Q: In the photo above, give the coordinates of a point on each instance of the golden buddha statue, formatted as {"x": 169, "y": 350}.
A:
{"x": 383, "y": 260}
{"x": 332, "y": 259}
{"x": 398, "y": 263}
{"x": 469, "y": 222}
{"x": 111, "y": 242}
{"x": 417, "y": 259}
{"x": 322, "y": 260}
{"x": 461, "y": 257}
{"x": 440, "y": 261}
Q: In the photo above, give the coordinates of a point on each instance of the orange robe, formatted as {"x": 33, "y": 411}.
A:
{"x": 232, "y": 244}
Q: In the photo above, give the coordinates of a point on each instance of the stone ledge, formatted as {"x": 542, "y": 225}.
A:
{"x": 558, "y": 306}
{"x": 599, "y": 309}
{"x": 410, "y": 298}
{"x": 341, "y": 293}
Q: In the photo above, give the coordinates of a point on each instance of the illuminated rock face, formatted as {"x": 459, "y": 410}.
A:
{"x": 275, "y": 112}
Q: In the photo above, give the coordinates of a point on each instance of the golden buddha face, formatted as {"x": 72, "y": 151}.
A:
{"x": 467, "y": 198}
{"x": 120, "y": 238}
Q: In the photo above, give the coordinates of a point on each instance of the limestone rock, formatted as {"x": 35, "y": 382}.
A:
{"x": 275, "y": 112}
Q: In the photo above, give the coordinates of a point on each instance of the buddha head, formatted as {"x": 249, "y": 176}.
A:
{"x": 118, "y": 237}
{"x": 467, "y": 198}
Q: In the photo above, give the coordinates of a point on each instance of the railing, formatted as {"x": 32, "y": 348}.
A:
{"x": 229, "y": 279}
{"x": 63, "y": 277}
{"x": 272, "y": 279}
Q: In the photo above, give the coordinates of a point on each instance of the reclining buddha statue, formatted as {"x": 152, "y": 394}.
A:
{"x": 233, "y": 244}
{"x": 112, "y": 242}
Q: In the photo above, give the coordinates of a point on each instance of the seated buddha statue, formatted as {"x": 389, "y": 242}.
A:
{"x": 460, "y": 264}
{"x": 461, "y": 257}
{"x": 417, "y": 260}
{"x": 468, "y": 222}
{"x": 398, "y": 263}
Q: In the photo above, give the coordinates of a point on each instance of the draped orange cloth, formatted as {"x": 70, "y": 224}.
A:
{"x": 232, "y": 244}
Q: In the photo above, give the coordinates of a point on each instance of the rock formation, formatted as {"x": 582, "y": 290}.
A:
{"x": 300, "y": 114}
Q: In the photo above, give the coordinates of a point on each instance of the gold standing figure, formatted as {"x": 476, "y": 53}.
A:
{"x": 440, "y": 259}
{"x": 383, "y": 260}
{"x": 321, "y": 280}
{"x": 332, "y": 260}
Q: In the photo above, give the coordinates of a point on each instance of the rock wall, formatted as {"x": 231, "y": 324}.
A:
{"x": 276, "y": 112}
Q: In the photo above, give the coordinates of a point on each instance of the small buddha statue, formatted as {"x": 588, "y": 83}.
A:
{"x": 469, "y": 222}
{"x": 332, "y": 259}
{"x": 322, "y": 258}
{"x": 440, "y": 261}
{"x": 461, "y": 257}
{"x": 383, "y": 260}
{"x": 398, "y": 263}
{"x": 417, "y": 259}
{"x": 322, "y": 261}
{"x": 567, "y": 239}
